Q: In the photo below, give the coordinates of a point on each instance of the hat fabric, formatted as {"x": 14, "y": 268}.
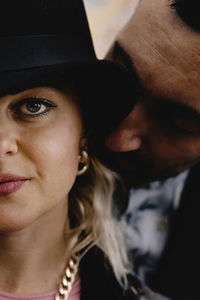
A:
{"x": 46, "y": 40}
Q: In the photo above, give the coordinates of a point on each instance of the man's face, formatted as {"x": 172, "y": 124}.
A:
{"x": 161, "y": 135}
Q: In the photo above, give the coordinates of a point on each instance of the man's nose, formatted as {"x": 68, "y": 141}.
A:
{"x": 8, "y": 143}
{"x": 126, "y": 137}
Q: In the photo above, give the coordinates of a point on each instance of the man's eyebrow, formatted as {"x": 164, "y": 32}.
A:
{"x": 121, "y": 56}
{"x": 178, "y": 108}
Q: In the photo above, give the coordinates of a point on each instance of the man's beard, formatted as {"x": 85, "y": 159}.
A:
{"x": 137, "y": 169}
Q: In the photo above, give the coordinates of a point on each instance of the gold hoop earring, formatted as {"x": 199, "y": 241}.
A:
{"x": 83, "y": 162}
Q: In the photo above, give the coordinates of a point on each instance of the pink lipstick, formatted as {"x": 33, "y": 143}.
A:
{"x": 10, "y": 183}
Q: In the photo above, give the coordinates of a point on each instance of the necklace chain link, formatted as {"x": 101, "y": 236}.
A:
{"x": 68, "y": 279}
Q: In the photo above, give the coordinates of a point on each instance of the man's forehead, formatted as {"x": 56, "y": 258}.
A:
{"x": 165, "y": 51}
{"x": 161, "y": 13}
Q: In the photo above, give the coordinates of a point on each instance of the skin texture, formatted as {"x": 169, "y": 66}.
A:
{"x": 43, "y": 147}
{"x": 161, "y": 135}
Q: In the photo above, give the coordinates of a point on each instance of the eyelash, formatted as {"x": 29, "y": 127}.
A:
{"x": 171, "y": 125}
{"x": 33, "y": 100}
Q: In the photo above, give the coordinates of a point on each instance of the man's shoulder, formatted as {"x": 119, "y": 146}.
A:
{"x": 193, "y": 180}
{"x": 181, "y": 257}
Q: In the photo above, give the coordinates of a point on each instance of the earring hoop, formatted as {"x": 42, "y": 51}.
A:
{"x": 83, "y": 162}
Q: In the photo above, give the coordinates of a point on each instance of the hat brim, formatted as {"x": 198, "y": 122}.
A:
{"x": 106, "y": 88}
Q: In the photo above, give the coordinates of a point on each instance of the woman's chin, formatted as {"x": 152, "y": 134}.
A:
{"x": 12, "y": 225}
{"x": 13, "y": 221}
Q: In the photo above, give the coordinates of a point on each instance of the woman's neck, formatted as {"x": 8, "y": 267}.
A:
{"x": 33, "y": 260}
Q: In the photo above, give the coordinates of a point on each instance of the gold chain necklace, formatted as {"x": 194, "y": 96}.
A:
{"x": 68, "y": 279}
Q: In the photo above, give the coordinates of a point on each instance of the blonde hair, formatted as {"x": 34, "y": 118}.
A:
{"x": 92, "y": 218}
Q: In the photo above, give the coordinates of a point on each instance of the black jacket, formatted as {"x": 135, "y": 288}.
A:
{"x": 176, "y": 275}
{"x": 98, "y": 281}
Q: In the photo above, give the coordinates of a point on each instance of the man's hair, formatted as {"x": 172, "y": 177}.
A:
{"x": 188, "y": 11}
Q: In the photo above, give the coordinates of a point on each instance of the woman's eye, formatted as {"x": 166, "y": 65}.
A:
{"x": 33, "y": 107}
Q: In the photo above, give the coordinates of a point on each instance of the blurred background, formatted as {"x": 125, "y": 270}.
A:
{"x": 106, "y": 19}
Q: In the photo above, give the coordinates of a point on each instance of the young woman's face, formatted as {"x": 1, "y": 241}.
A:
{"x": 40, "y": 131}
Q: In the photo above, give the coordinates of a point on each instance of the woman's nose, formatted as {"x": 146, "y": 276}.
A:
{"x": 127, "y": 136}
{"x": 8, "y": 143}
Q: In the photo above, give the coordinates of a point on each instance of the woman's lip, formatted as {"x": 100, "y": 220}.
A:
{"x": 5, "y": 177}
{"x": 10, "y": 186}
{"x": 10, "y": 183}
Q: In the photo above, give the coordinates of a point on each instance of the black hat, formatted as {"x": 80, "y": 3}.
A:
{"x": 46, "y": 40}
